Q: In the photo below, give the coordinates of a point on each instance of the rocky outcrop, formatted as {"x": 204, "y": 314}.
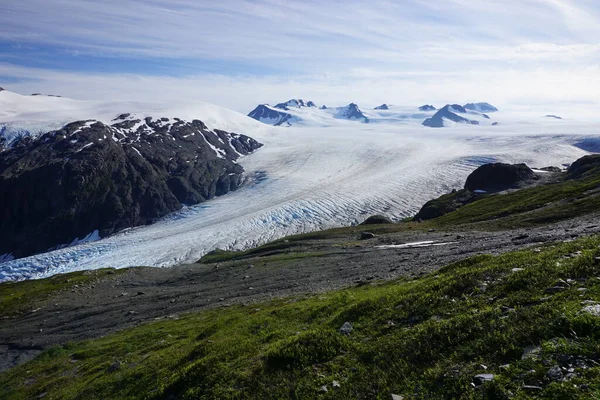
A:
{"x": 377, "y": 220}
{"x": 488, "y": 178}
{"x": 427, "y": 107}
{"x": 480, "y": 107}
{"x": 552, "y": 116}
{"x": 583, "y": 166}
{"x": 499, "y": 176}
{"x": 446, "y": 204}
{"x": 89, "y": 176}
{"x": 382, "y": 107}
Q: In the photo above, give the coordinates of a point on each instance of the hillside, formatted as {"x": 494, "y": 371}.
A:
{"x": 419, "y": 300}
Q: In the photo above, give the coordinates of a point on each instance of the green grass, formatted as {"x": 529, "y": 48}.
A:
{"x": 18, "y": 297}
{"x": 533, "y": 206}
{"x": 424, "y": 338}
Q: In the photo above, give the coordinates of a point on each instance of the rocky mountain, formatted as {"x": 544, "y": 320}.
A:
{"x": 382, "y": 107}
{"x": 94, "y": 177}
{"x": 427, "y": 107}
{"x": 271, "y": 116}
{"x": 351, "y": 112}
{"x": 294, "y": 103}
{"x": 553, "y": 116}
{"x": 480, "y": 107}
{"x": 449, "y": 112}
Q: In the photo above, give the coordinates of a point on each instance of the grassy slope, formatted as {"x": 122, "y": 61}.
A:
{"x": 19, "y": 297}
{"x": 424, "y": 338}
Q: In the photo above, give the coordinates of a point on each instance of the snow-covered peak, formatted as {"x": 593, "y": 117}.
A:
{"x": 481, "y": 107}
{"x": 34, "y": 115}
{"x": 351, "y": 112}
{"x": 295, "y": 103}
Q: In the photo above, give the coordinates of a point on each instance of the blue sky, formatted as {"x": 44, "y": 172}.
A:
{"x": 238, "y": 53}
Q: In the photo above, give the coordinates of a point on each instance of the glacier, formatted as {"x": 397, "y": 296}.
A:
{"x": 318, "y": 175}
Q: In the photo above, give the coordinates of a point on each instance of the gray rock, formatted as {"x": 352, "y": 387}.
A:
{"x": 347, "y": 328}
{"x": 323, "y": 389}
{"x": 555, "y": 374}
{"x": 555, "y": 289}
{"x": 592, "y": 309}
{"x": 531, "y": 352}
{"x": 366, "y": 236}
{"x": 532, "y": 387}
{"x": 397, "y": 397}
{"x": 482, "y": 378}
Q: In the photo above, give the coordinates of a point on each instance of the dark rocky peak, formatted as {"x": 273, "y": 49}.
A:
{"x": 456, "y": 108}
{"x": 1, "y": 89}
{"x": 268, "y": 115}
{"x": 352, "y": 112}
{"x": 310, "y": 104}
{"x": 36, "y": 94}
{"x": 427, "y": 107}
{"x": 499, "y": 176}
{"x": 481, "y": 107}
{"x": 552, "y": 116}
{"x": 323, "y": 107}
{"x": 449, "y": 112}
{"x": 382, "y": 107}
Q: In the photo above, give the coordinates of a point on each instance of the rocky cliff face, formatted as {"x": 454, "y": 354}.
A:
{"x": 91, "y": 176}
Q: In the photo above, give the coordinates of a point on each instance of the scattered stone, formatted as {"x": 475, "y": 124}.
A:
{"x": 593, "y": 310}
{"x": 397, "y": 397}
{"x": 531, "y": 352}
{"x": 323, "y": 389}
{"x": 131, "y": 312}
{"x": 480, "y": 379}
{"x": 517, "y": 269}
{"x": 366, "y": 236}
{"x": 140, "y": 293}
{"x": 555, "y": 289}
{"x": 335, "y": 384}
{"x": 250, "y": 266}
{"x": 246, "y": 277}
{"x": 347, "y": 328}
{"x": 555, "y": 374}
{"x": 114, "y": 367}
{"x": 532, "y": 387}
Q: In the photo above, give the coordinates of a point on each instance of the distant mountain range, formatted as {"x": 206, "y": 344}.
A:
{"x": 470, "y": 114}
{"x": 298, "y": 111}
{"x": 295, "y": 110}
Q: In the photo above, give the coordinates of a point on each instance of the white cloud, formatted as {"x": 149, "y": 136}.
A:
{"x": 335, "y": 51}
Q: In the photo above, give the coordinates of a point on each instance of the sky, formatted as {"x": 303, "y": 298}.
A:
{"x": 238, "y": 53}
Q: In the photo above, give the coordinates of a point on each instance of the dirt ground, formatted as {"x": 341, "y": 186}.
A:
{"x": 141, "y": 295}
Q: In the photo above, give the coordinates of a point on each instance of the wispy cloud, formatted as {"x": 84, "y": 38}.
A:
{"x": 266, "y": 48}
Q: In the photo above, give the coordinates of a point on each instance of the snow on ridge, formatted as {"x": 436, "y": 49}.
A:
{"x": 35, "y": 115}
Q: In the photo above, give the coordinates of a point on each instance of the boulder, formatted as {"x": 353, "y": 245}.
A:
{"x": 366, "y": 236}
